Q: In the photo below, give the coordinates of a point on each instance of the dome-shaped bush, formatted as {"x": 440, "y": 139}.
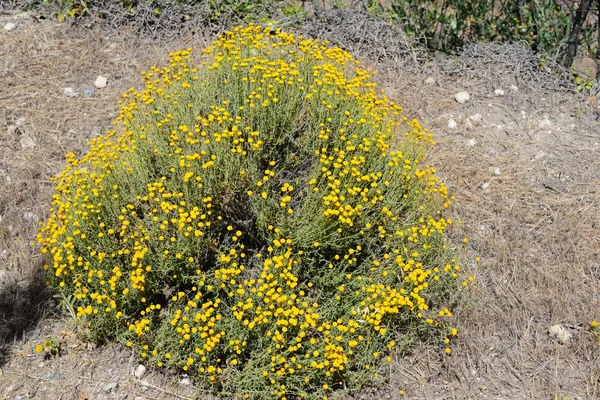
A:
{"x": 260, "y": 218}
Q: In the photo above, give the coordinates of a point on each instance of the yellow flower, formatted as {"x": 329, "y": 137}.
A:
{"x": 39, "y": 348}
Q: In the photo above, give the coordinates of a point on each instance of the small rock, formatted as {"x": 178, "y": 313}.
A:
{"x": 139, "y": 371}
{"x": 27, "y": 142}
{"x": 514, "y": 87}
{"x": 88, "y": 91}
{"x": 144, "y": 386}
{"x": 462, "y": 97}
{"x": 561, "y": 333}
{"x": 110, "y": 387}
{"x": 15, "y": 130}
{"x": 471, "y": 142}
{"x": 138, "y": 398}
{"x": 18, "y": 398}
{"x": 100, "y": 82}
{"x": 452, "y": 124}
{"x": 22, "y": 16}
{"x": 50, "y": 376}
{"x": 485, "y": 185}
{"x": 499, "y": 92}
{"x": 539, "y": 155}
{"x": 429, "y": 81}
{"x": 545, "y": 123}
{"x": 10, "y": 26}
{"x": 70, "y": 92}
{"x": 185, "y": 381}
{"x": 495, "y": 171}
{"x": 475, "y": 117}
{"x": 95, "y": 133}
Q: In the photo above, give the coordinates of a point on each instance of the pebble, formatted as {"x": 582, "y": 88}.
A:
{"x": 15, "y": 130}
{"x": 514, "y": 87}
{"x": 70, "y": 92}
{"x": 110, "y": 387}
{"x": 10, "y": 26}
{"x": 495, "y": 171}
{"x": 185, "y": 381}
{"x": 462, "y": 97}
{"x": 88, "y": 91}
{"x": 139, "y": 371}
{"x": 499, "y": 92}
{"x": 27, "y": 142}
{"x": 485, "y": 185}
{"x": 50, "y": 376}
{"x": 452, "y": 124}
{"x": 22, "y": 16}
{"x": 100, "y": 82}
{"x": 138, "y": 398}
{"x": 561, "y": 333}
{"x": 18, "y": 398}
{"x": 539, "y": 155}
{"x": 429, "y": 81}
{"x": 475, "y": 117}
{"x": 471, "y": 142}
{"x": 144, "y": 386}
{"x": 545, "y": 123}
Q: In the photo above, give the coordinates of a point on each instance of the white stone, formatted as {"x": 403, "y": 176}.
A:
{"x": 475, "y": 117}
{"x": 30, "y": 217}
{"x": 429, "y": 81}
{"x": 70, "y": 92}
{"x": 139, "y": 371}
{"x": 452, "y": 124}
{"x": 110, "y": 387}
{"x": 495, "y": 171}
{"x": 10, "y": 26}
{"x": 561, "y": 333}
{"x": 539, "y": 155}
{"x": 485, "y": 185}
{"x": 499, "y": 92}
{"x": 514, "y": 87}
{"x": 545, "y": 123}
{"x": 27, "y": 142}
{"x": 144, "y": 386}
{"x": 471, "y": 142}
{"x": 185, "y": 381}
{"x": 22, "y": 16}
{"x": 462, "y": 97}
{"x": 100, "y": 82}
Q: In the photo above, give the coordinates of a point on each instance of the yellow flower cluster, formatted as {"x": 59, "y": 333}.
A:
{"x": 259, "y": 217}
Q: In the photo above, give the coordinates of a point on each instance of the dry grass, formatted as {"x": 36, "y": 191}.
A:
{"x": 535, "y": 227}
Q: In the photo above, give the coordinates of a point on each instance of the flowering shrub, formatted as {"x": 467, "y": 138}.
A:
{"x": 260, "y": 218}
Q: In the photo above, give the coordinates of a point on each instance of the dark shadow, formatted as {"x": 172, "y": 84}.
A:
{"x": 22, "y": 306}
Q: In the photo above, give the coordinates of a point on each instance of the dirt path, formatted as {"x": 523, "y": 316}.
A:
{"x": 524, "y": 167}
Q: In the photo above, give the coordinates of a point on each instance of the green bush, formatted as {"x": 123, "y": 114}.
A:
{"x": 260, "y": 218}
{"x": 446, "y": 26}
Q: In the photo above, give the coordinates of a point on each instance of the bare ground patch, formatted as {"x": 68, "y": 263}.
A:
{"x": 528, "y": 197}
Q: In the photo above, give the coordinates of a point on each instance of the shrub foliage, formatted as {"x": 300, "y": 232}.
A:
{"x": 260, "y": 217}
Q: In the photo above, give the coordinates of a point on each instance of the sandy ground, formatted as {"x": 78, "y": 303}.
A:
{"x": 524, "y": 167}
